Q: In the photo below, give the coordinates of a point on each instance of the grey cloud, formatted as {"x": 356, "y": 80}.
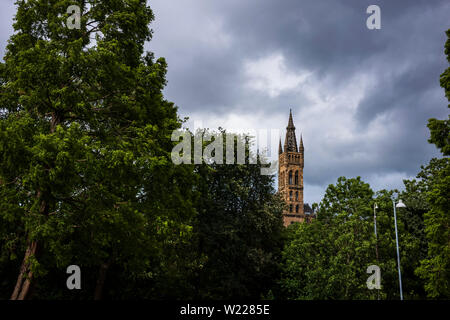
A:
{"x": 207, "y": 43}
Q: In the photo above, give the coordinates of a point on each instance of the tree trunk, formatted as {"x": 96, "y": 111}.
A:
{"x": 25, "y": 275}
{"x": 24, "y": 279}
{"x": 101, "y": 280}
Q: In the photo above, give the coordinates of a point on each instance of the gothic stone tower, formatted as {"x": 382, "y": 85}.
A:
{"x": 290, "y": 175}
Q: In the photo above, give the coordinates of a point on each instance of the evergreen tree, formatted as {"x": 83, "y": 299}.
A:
{"x": 86, "y": 176}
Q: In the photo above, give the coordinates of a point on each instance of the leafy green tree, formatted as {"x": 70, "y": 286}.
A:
{"x": 328, "y": 258}
{"x": 435, "y": 268}
{"x": 239, "y": 230}
{"x": 440, "y": 129}
{"x": 349, "y": 196}
{"x": 412, "y": 242}
{"x": 86, "y": 176}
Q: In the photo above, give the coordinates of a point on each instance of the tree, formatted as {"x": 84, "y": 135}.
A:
{"x": 349, "y": 196}
{"x": 412, "y": 242}
{"x": 84, "y": 140}
{"x": 328, "y": 258}
{"x": 435, "y": 268}
{"x": 440, "y": 129}
{"x": 239, "y": 229}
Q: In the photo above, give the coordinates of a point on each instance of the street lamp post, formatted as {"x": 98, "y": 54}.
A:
{"x": 375, "y": 225}
{"x": 375, "y": 206}
{"x": 400, "y": 204}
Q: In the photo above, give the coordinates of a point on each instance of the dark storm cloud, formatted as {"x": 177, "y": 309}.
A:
{"x": 364, "y": 105}
{"x": 403, "y": 91}
{"x": 403, "y": 61}
{"x": 327, "y": 37}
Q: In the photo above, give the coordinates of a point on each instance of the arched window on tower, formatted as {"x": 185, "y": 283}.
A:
{"x": 290, "y": 208}
{"x": 290, "y": 177}
{"x": 296, "y": 208}
{"x": 290, "y": 195}
{"x": 296, "y": 195}
{"x": 296, "y": 177}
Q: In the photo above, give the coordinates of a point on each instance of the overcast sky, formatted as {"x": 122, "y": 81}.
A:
{"x": 360, "y": 98}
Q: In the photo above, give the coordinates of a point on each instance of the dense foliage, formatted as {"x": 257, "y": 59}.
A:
{"x": 328, "y": 258}
{"x": 84, "y": 136}
{"x": 239, "y": 231}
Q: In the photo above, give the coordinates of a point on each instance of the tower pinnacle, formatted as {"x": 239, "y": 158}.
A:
{"x": 291, "y": 122}
{"x": 290, "y": 142}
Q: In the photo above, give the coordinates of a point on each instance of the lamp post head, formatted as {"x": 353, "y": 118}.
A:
{"x": 376, "y": 206}
{"x": 400, "y": 204}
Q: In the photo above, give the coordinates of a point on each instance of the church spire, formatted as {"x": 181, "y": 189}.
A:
{"x": 290, "y": 142}
{"x": 301, "y": 148}
{"x": 291, "y": 122}
{"x": 280, "y": 149}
